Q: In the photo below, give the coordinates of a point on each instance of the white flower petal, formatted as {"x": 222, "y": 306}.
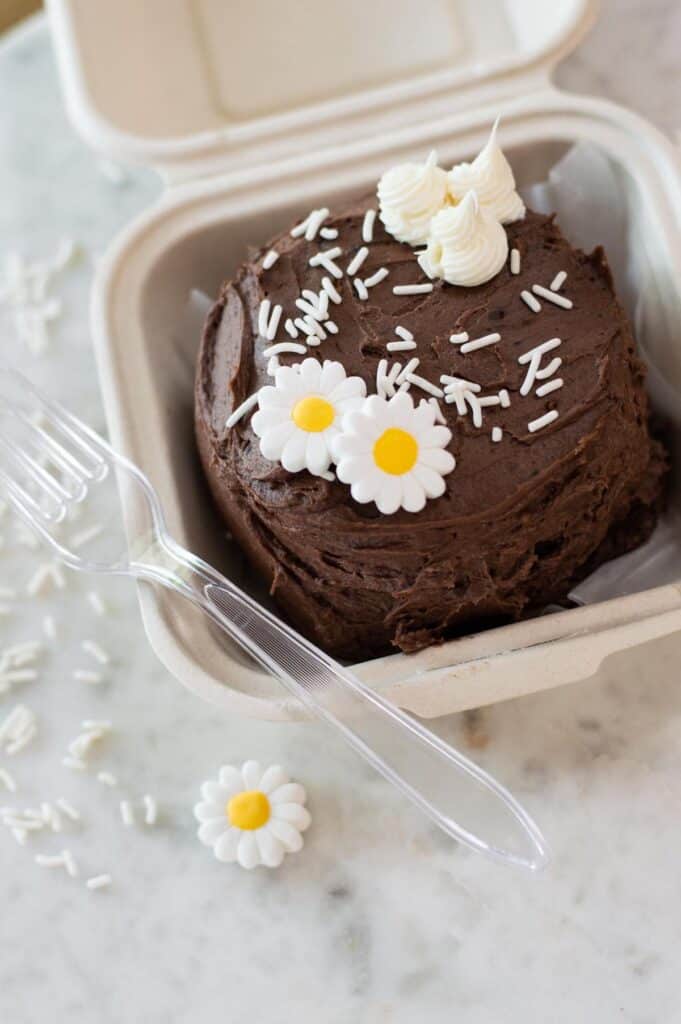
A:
{"x": 432, "y": 482}
{"x": 366, "y": 487}
{"x": 317, "y": 455}
{"x": 213, "y": 792}
{"x": 400, "y": 410}
{"x": 251, "y": 772}
{"x": 348, "y": 444}
{"x": 293, "y": 454}
{"x": 270, "y": 848}
{"x": 268, "y": 419}
{"x": 272, "y": 398}
{"x": 332, "y": 377}
{"x": 273, "y": 440}
{"x": 247, "y": 852}
{"x": 389, "y": 497}
{"x": 310, "y": 374}
{"x": 274, "y": 777}
{"x": 295, "y": 814}
{"x": 413, "y": 494}
{"x": 227, "y": 845}
{"x": 355, "y": 467}
{"x": 438, "y": 459}
{"x": 436, "y": 437}
{"x": 292, "y": 793}
{"x": 287, "y": 379}
{"x": 210, "y": 809}
{"x": 350, "y": 387}
{"x": 210, "y": 831}
{"x": 231, "y": 779}
{"x": 288, "y": 834}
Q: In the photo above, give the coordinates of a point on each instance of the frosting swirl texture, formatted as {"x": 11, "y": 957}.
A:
{"x": 491, "y": 177}
{"x": 409, "y": 196}
{"x": 466, "y": 245}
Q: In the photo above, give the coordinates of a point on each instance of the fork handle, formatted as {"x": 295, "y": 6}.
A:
{"x": 457, "y": 795}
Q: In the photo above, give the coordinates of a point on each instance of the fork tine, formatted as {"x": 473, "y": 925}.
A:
{"x": 26, "y": 503}
{"x": 59, "y": 456}
{"x": 39, "y": 475}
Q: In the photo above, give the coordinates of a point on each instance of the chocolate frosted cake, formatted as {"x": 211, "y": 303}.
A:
{"x": 412, "y": 445}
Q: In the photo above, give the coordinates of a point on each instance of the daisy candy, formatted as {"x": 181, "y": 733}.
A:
{"x": 301, "y": 413}
{"x": 251, "y": 816}
{"x": 393, "y": 454}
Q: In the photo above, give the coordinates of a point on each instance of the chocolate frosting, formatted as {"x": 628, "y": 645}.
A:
{"x": 520, "y": 520}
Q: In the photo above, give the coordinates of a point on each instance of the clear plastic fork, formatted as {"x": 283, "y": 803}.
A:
{"x": 51, "y": 463}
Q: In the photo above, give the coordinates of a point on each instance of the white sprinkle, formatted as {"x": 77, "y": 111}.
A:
{"x": 368, "y": 226}
{"x": 328, "y": 475}
{"x": 79, "y": 540}
{"x": 107, "y": 778}
{"x": 15, "y": 722}
{"x": 50, "y": 627}
{"x": 98, "y": 882}
{"x": 549, "y": 370}
{"x": 315, "y": 221}
{"x": 458, "y": 383}
{"x": 39, "y": 579}
{"x": 329, "y": 233}
{"x": 309, "y": 309}
{"x": 97, "y": 652}
{"x": 97, "y": 602}
{"x": 18, "y": 675}
{"x": 504, "y": 399}
{"x": 315, "y": 327}
{"x": 357, "y": 261}
{"x": 412, "y": 289}
{"x": 45, "y": 861}
{"x": 283, "y": 348}
{"x": 557, "y": 300}
{"x": 306, "y": 326}
{"x": 27, "y": 823}
{"x": 263, "y": 316}
{"x": 75, "y": 763}
{"x": 539, "y": 350}
{"x": 127, "y": 813}
{"x": 403, "y": 333}
{"x": 400, "y": 346}
{"x": 68, "y": 809}
{"x": 70, "y": 864}
{"x": 497, "y": 432}
{"x": 459, "y": 339}
{"x": 21, "y": 741}
{"x": 360, "y": 288}
{"x": 101, "y": 725}
{"x": 486, "y": 401}
{"x": 376, "y": 278}
{"x": 242, "y": 409}
{"x": 530, "y": 301}
{"x": 325, "y": 254}
{"x": 151, "y": 809}
{"x": 7, "y": 780}
{"x": 273, "y": 365}
{"x": 425, "y": 385}
{"x": 473, "y": 346}
{"x": 439, "y": 415}
{"x": 86, "y": 675}
{"x": 20, "y": 835}
{"x": 515, "y": 261}
{"x": 381, "y": 371}
{"x": 543, "y": 421}
{"x": 558, "y": 281}
{"x": 331, "y": 291}
{"x": 395, "y": 372}
{"x": 331, "y": 326}
{"x": 273, "y": 324}
{"x": 290, "y": 328}
{"x": 546, "y": 389}
{"x": 401, "y": 378}
{"x": 270, "y": 259}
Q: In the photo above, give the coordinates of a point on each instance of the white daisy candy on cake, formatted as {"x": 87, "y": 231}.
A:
{"x": 393, "y": 454}
{"x": 300, "y": 414}
{"x": 252, "y": 816}
{"x": 409, "y": 196}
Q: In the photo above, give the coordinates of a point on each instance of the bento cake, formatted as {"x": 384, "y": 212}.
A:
{"x": 424, "y": 413}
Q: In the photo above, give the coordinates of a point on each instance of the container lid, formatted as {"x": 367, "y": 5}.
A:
{"x": 196, "y": 86}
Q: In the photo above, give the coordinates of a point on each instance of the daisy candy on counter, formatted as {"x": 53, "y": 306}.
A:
{"x": 252, "y": 816}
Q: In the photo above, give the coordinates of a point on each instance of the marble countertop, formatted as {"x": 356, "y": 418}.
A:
{"x": 380, "y": 919}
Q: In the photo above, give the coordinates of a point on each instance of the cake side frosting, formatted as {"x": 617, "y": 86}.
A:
{"x": 544, "y": 480}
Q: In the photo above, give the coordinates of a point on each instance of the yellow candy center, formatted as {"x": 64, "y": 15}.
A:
{"x": 313, "y": 414}
{"x": 396, "y": 451}
{"x": 248, "y": 810}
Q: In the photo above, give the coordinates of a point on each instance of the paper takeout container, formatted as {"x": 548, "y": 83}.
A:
{"x": 254, "y": 112}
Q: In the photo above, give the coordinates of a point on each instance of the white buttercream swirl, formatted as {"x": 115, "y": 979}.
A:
{"x": 491, "y": 177}
{"x": 466, "y": 245}
{"x": 409, "y": 196}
